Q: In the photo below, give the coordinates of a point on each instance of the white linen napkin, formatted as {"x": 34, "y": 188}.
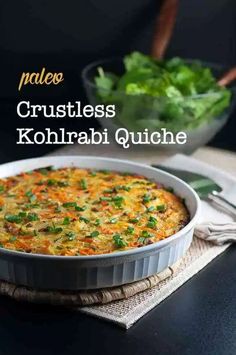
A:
{"x": 214, "y": 225}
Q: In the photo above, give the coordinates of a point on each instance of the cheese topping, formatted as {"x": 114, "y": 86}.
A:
{"x": 74, "y": 211}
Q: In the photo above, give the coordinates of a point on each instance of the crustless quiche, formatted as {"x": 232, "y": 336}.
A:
{"x": 74, "y": 211}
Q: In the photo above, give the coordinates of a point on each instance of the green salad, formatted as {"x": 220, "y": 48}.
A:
{"x": 169, "y": 93}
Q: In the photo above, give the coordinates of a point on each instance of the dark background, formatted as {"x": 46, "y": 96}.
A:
{"x": 67, "y": 35}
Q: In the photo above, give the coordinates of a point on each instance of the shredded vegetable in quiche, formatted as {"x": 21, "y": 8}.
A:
{"x": 74, "y": 211}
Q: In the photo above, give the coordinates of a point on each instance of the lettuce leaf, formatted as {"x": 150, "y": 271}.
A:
{"x": 171, "y": 93}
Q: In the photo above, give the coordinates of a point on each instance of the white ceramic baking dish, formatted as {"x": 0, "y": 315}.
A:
{"x": 97, "y": 271}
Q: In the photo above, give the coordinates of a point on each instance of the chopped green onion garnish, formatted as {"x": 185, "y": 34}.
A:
{"x": 122, "y": 187}
{"x": 161, "y": 208}
{"x": 83, "y": 184}
{"x": 118, "y": 240}
{"x": 12, "y": 218}
{"x": 94, "y": 234}
{"x": 113, "y": 220}
{"x": 152, "y": 219}
{"x": 32, "y": 205}
{"x": 104, "y": 198}
{"x": 30, "y": 195}
{"x": 85, "y": 220}
{"x": 151, "y": 225}
{"x": 134, "y": 220}
{"x": 57, "y": 209}
{"x": 108, "y": 191}
{"x": 150, "y": 209}
{"x": 130, "y": 230}
{"x": 54, "y": 229}
{"x": 66, "y": 221}
{"x": 12, "y": 239}
{"x": 62, "y": 183}
{"x": 71, "y": 236}
{"x": 146, "y": 234}
{"x": 97, "y": 222}
{"x": 118, "y": 200}
{"x": 32, "y": 217}
{"x": 51, "y": 182}
{"x": 146, "y": 198}
{"x": 142, "y": 240}
{"x": 78, "y": 208}
{"x": 44, "y": 171}
{"x": 69, "y": 204}
{"x": 22, "y": 214}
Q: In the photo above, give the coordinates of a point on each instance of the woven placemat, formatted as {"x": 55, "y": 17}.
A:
{"x": 127, "y": 311}
{"x": 84, "y": 298}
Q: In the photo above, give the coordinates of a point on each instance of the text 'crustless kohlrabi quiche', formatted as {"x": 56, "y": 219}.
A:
{"x": 72, "y": 211}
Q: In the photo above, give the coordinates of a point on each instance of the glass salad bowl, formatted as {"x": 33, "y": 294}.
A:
{"x": 200, "y": 116}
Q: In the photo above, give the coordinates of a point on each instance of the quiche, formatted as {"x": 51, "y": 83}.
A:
{"x": 73, "y": 211}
